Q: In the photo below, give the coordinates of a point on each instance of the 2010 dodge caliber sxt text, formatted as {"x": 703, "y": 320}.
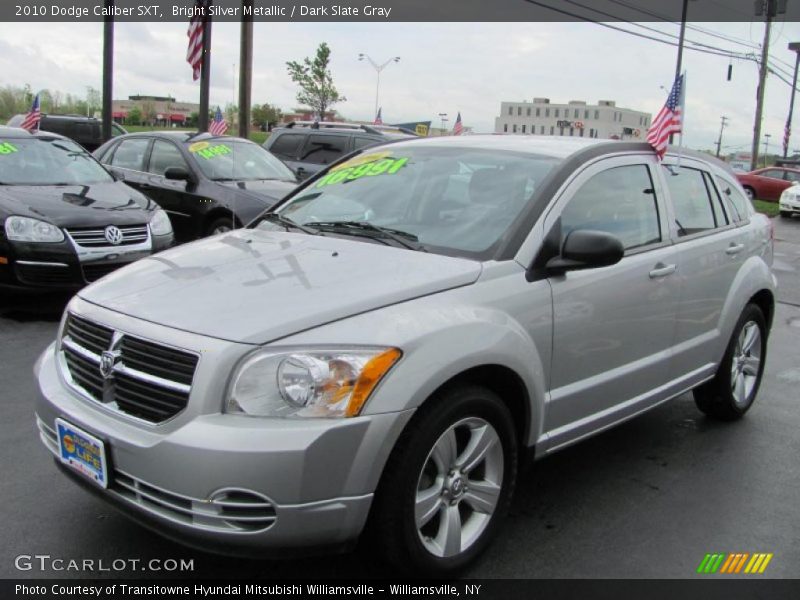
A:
{"x": 376, "y": 354}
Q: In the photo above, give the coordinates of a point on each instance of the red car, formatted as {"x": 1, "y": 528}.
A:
{"x": 769, "y": 183}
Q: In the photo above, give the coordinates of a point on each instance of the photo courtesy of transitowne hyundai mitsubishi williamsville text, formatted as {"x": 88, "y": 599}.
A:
{"x": 373, "y": 356}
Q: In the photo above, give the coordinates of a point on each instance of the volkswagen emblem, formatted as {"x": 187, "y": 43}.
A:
{"x": 107, "y": 361}
{"x": 113, "y": 235}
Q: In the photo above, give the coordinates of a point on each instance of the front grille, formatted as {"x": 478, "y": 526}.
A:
{"x": 94, "y": 237}
{"x": 93, "y": 272}
{"x": 45, "y": 274}
{"x": 146, "y": 380}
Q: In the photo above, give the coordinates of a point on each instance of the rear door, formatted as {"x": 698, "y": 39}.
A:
{"x": 711, "y": 250}
{"x": 286, "y": 146}
{"x": 613, "y": 327}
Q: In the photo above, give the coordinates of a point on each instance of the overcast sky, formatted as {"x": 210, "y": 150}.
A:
{"x": 444, "y": 67}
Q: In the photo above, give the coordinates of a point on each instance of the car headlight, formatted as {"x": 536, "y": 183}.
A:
{"x": 308, "y": 383}
{"x": 160, "y": 223}
{"x": 25, "y": 229}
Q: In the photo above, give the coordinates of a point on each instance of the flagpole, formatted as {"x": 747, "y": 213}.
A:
{"x": 205, "y": 71}
{"x": 683, "y": 119}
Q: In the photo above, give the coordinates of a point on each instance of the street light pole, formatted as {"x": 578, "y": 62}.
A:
{"x": 787, "y": 131}
{"x": 378, "y": 68}
{"x": 766, "y": 146}
{"x": 443, "y": 117}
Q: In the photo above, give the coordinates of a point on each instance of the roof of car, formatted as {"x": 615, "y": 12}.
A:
{"x": 19, "y": 133}
{"x": 181, "y": 136}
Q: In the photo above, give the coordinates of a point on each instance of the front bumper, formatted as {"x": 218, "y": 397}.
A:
{"x": 300, "y": 485}
{"x": 65, "y": 267}
{"x": 789, "y": 205}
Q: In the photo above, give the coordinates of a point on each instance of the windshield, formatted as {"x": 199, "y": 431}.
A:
{"x": 37, "y": 161}
{"x": 228, "y": 160}
{"x": 456, "y": 201}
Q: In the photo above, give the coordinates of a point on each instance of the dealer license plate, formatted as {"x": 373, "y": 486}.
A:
{"x": 82, "y": 452}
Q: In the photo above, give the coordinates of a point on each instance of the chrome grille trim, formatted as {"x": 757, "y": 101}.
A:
{"x": 133, "y": 392}
{"x": 96, "y": 238}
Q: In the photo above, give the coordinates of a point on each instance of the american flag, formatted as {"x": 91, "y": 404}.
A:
{"x": 378, "y": 120}
{"x": 669, "y": 120}
{"x": 218, "y": 125}
{"x": 194, "y": 53}
{"x": 458, "y": 128}
{"x": 31, "y": 121}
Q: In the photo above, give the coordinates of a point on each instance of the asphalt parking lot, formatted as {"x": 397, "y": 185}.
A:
{"x": 645, "y": 500}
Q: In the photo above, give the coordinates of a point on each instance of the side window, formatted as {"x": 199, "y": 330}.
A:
{"x": 620, "y": 201}
{"x": 690, "y": 199}
{"x": 792, "y": 176}
{"x": 363, "y": 142}
{"x": 324, "y": 149}
{"x": 737, "y": 201}
{"x": 287, "y": 145}
{"x": 772, "y": 173}
{"x": 130, "y": 154}
{"x": 717, "y": 204}
{"x": 165, "y": 155}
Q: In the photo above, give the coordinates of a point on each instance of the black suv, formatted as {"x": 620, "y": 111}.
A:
{"x": 308, "y": 146}
{"x": 87, "y": 131}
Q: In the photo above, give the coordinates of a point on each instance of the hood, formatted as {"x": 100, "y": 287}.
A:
{"x": 265, "y": 190}
{"x": 257, "y": 286}
{"x": 77, "y": 205}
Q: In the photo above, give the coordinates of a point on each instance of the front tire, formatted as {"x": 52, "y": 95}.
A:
{"x": 786, "y": 214}
{"x": 221, "y": 225}
{"x": 733, "y": 390}
{"x": 447, "y": 484}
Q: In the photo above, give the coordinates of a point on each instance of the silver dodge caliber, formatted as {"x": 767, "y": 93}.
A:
{"x": 374, "y": 356}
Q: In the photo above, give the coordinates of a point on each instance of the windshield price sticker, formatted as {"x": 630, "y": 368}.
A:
{"x": 207, "y": 151}
{"x": 381, "y": 166}
{"x": 8, "y": 148}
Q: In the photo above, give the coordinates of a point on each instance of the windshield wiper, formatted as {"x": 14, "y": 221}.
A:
{"x": 288, "y": 223}
{"x": 404, "y": 238}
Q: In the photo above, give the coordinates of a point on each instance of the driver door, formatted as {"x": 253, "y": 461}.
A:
{"x": 175, "y": 197}
{"x": 613, "y": 327}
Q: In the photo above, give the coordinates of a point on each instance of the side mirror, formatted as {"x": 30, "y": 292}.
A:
{"x": 587, "y": 249}
{"x": 177, "y": 174}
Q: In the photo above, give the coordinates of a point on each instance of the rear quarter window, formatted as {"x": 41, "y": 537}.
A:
{"x": 287, "y": 145}
{"x": 739, "y": 204}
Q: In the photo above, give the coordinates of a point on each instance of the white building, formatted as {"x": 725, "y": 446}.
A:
{"x": 576, "y": 118}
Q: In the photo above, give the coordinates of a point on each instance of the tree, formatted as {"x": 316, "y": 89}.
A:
{"x": 315, "y": 81}
{"x": 134, "y": 116}
{"x": 264, "y": 114}
{"x": 149, "y": 113}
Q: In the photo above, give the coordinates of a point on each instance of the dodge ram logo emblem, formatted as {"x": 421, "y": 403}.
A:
{"x": 107, "y": 361}
{"x": 113, "y": 235}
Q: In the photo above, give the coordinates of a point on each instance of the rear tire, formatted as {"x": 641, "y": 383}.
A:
{"x": 786, "y": 214}
{"x": 750, "y": 192}
{"x": 221, "y": 225}
{"x": 733, "y": 390}
{"x": 447, "y": 484}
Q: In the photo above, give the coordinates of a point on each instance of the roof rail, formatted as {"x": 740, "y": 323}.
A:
{"x": 376, "y": 129}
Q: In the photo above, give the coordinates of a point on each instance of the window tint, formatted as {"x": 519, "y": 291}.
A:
{"x": 690, "y": 199}
{"x": 360, "y": 142}
{"x": 792, "y": 176}
{"x": 620, "y": 201}
{"x": 324, "y": 149}
{"x": 772, "y": 173}
{"x": 720, "y": 213}
{"x": 287, "y": 145}
{"x": 165, "y": 155}
{"x": 85, "y": 131}
{"x": 130, "y": 154}
{"x": 737, "y": 201}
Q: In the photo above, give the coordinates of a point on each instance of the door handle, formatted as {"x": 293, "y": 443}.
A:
{"x": 662, "y": 270}
{"x": 734, "y": 249}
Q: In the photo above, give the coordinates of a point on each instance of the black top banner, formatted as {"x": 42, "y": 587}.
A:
{"x": 402, "y": 10}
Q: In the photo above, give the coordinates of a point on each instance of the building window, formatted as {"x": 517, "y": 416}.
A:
{"x": 546, "y": 112}
{"x": 510, "y": 111}
{"x": 560, "y": 131}
{"x": 591, "y": 133}
{"x": 528, "y": 111}
{"x": 505, "y": 127}
{"x": 538, "y": 111}
{"x": 577, "y": 113}
{"x": 515, "y": 128}
{"x": 586, "y": 114}
{"x": 552, "y": 129}
{"x": 556, "y": 113}
{"x": 571, "y": 131}
{"x": 519, "y": 111}
{"x": 581, "y": 130}
{"x": 596, "y": 114}
{"x": 542, "y": 130}
{"x": 523, "y": 129}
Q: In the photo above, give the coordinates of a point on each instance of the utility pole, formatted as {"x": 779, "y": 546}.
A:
{"x": 245, "y": 69}
{"x": 681, "y": 36}
{"x": 787, "y": 131}
{"x": 769, "y": 8}
{"x": 108, "y": 68}
{"x": 766, "y": 147}
{"x": 723, "y": 124}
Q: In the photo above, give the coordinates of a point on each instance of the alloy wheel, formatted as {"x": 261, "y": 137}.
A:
{"x": 746, "y": 363}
